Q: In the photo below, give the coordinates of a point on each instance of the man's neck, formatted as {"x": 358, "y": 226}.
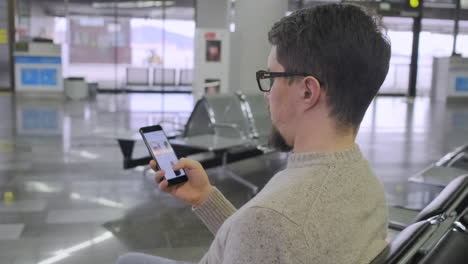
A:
{"x": 322, "y": 137}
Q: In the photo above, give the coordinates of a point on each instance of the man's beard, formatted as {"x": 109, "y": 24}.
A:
{"x": 277, "y": 141}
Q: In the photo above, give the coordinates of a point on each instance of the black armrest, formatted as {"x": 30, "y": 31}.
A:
{"x": 402, "y": 243}
{"x": 396, "y": 225}
{"x": 452, "y": 248}
{"x": 445, "y": 199}
{"x": 464, "y": 219}
{"x": 126, "y": 146}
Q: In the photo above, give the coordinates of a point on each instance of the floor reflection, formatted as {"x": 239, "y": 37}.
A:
{"x": 66, "y": 198}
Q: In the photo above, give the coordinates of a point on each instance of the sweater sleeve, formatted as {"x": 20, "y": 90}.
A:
{"x": 214, "y": 211}
{"x": 258, "y": 235}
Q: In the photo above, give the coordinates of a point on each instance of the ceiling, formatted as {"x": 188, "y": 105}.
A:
{"x": 184, "y": 9}
{"x": 171, "y": 9}
{"x": 175, "y": 9}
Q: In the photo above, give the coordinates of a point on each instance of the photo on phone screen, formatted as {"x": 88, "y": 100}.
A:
{"x": 162, "y": 152}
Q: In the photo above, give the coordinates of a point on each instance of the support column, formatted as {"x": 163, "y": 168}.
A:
{"x": 413, "y": 76}
{"x": 212, "y": 14}
{"x": 236, "y": 31}
{"x": 212, "y": 39}
{"x": 6, "y": 41}
{"x": 456, "y": 28}
{"x": 250, "y": 46}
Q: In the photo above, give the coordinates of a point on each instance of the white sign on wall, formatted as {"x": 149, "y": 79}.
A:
{"x": 211, "y": 62}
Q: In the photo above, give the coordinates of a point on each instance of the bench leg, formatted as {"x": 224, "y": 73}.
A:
{"x": 241, "y": 180}
{"x": 236, "y": 177}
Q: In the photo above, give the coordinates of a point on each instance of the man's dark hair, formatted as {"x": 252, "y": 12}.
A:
{"x": 343, "y": 46}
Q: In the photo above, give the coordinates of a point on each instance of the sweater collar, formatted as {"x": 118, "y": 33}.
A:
{"x": 306, "y": 159}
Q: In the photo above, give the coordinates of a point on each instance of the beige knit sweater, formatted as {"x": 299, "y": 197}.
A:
{"x": 323, "y": 208}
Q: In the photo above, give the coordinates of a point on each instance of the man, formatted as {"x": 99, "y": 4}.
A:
{"x": 325, "y": 66}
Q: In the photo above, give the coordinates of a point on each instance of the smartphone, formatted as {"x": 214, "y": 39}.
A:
{"x": 159, "y": 148}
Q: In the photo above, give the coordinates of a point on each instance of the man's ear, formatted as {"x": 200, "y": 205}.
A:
{"x": 312, "y": 91}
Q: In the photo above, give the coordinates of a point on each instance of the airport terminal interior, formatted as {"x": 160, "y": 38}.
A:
{"x": 79, "y": 78}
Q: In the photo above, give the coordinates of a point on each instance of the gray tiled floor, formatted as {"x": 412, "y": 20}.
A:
{"x": 10, "y": 231}
{"x": 62, "y": 182}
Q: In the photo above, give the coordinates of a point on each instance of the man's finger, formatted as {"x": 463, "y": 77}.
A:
{"x": 185, "y": 163}
{"x": 159, "y": 176}
{"x": 164, "y": 186}
{"x": 154, "y": 165}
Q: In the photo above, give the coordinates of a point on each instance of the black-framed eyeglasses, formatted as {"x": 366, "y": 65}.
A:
{"x": 265, "y": 79}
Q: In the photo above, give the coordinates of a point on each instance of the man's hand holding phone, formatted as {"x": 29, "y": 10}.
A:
{"x": 195, "y": 191}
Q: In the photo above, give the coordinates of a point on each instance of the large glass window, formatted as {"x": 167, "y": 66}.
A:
{"x": 436, "y": 40}
{"x": 120, "y": 45}
{"x": 400, "y": 34}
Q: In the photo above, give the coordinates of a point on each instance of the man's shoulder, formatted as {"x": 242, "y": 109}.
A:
{"x": 291, "y": 195}
{"x": 274, "y": 237}
{"x": 260, "y": 219}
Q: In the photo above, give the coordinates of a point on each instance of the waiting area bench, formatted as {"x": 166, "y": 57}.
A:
{"x": 221, "y": 129}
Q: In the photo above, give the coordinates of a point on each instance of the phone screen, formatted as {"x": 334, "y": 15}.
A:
{"x": 163, "y": 153}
